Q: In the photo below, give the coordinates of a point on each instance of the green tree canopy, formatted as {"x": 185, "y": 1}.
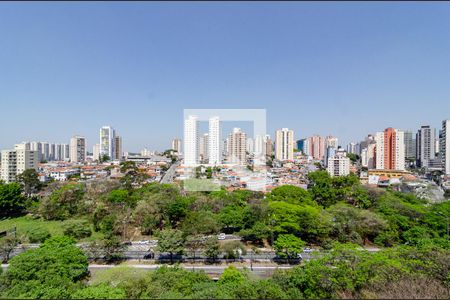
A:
{"x": 12, "y": 202}
{"x": 50, "y": 271}
{"x": 288, "y": 246}
{"x": 171, "y": 241}
{"x": 29, "y": 179}
{"x": 291, "y": 194}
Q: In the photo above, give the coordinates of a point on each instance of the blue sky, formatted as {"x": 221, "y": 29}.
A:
{"x": 346, "y": 69}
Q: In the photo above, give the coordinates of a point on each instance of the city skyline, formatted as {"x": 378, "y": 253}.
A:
{"x": 368, "y": 66}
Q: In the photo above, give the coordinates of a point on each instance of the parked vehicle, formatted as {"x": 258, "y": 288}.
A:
{"x": 221, "y": 236}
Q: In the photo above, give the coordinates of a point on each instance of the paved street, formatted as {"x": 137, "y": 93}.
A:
{"x": 170, "y": 173}
{"x": 213, "y": 270}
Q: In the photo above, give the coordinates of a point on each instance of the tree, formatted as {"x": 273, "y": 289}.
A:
{"x": 232, "y": 218}
{"x": 101, "y": 291}
{"x": 62, "y": 203}
{"x": 308, "y": 222}
{"x": 212, "y": 248}
{"x": 321, "y": 188}
{"x": 288, "y": 246}
{"x": 202, "y": 222}
{"x": 193, "y": 243}
{"x": 355, "y": 225}
{"x": 112, "y": 248}
{"x": 29, "y": 180}
{"x": 7, "y": 245}
{"x": 12, "y": 202}
{"x": 118, "y": 196}
{"x": 171, "y": 241}
{"x": 54, "y": 270}
{"x": 291, "y": 194}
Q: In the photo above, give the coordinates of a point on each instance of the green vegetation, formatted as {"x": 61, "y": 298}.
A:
{"x": 335, "y": 214}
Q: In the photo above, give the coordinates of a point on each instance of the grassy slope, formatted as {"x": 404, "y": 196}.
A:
{"x": 25, "y": 223}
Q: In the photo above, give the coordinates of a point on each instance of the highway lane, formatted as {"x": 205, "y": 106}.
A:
{"x": 213, "y": 270}
{"x": 170, "y": 173}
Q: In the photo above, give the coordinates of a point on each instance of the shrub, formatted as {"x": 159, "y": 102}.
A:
{"x": 77, "y": 229}
{"x": 38, "y": 235}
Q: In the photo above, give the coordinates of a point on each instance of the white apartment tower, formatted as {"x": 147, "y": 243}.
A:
{"x": 338, "y": 165}
{"x": 284, "y": 144}
{"x": 444, "y": 146}
{"x": 236, "y": 147}
{"x": 191, "y": 141}
{"x": 77, "y": 149}
{"x": 176, "y": 145}
{"x": 107, "y": 141}
{"x": 214, "y": 141}
{"x": 96, "y": 152}
{"x": 425, "y": 140}
{"x": 390, "y": 150}
{"x": 15, "y": 162}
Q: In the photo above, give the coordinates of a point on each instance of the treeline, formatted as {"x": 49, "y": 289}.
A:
{"x": 59, "y": 269}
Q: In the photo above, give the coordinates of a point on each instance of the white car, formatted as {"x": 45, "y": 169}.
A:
{"x": 221, "y": 236}
{"x": 307, "y": 250}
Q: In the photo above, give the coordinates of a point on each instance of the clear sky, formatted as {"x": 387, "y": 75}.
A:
{"x": 346, "y": 69}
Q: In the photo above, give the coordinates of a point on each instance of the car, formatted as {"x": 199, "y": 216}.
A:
{"x": 143, "y": 242}
{"x": 307, "y": 250}
{"x": 221, "y": 236}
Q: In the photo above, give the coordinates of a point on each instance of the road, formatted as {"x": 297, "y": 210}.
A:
{"x": 170, "y": 173}
{"x": 214, "y": 271}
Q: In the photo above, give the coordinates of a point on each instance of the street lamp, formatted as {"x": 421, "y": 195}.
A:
{"x": 448, "y": 225}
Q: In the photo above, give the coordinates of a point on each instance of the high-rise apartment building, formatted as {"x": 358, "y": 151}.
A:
{"x": 390, "y": 149}
{"x": 338, "y": 164}
{"x": 268, "y": 145}
{"x": 176, "y": 145}
{"x": 77, "y": 149}
{"x": 315, "y": 147}
{"x": 331, "y": 141}
{"x": 425, "y": 140}
{"x": 237, "y": 141}
{"x": 368, "y": 155}
{"x": 204, "y": 148}
{"x": 215, "y": 157}
{"x": 45, "y": 151}
{"x": 66, "y": 152}
{"x": 191, "y": 148}
{"x": 15, "y": 162}
{"x": 96, "y": 152}
{"x": 410, "y": 145}
{"x": 107, "y": 141}
{"x": 444, "y": 146}
{"x": 259, "y": 145}
{"x": 351, "y": 148}
{"x": 37, "y": 146}
{"x": 301, "y": 145}
{"x": 118, "y": 152}
{"x": 250, "y": 145}
{"x": 284, "y": 144}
